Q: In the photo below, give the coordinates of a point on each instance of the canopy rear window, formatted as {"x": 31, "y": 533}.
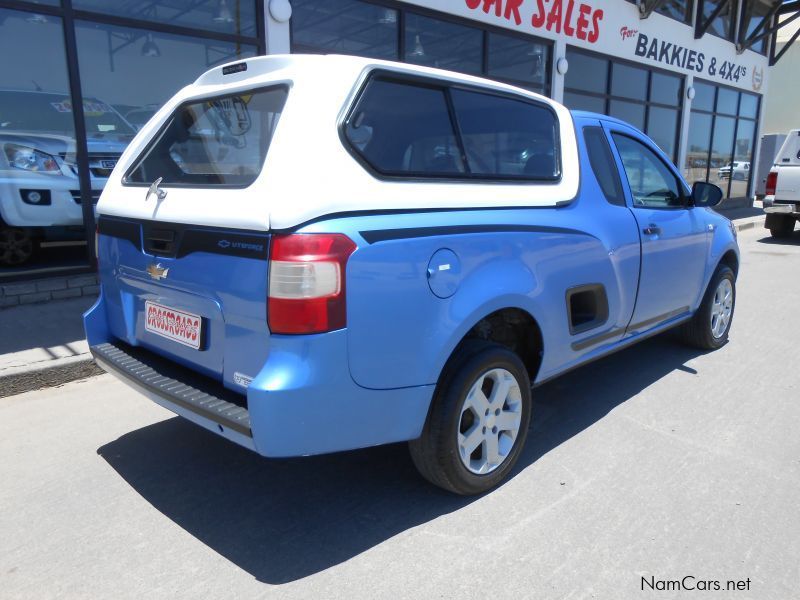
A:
{"x": 219, "y": 141}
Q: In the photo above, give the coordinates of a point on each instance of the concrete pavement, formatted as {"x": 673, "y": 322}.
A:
{"x": 658, "y": 462}
{"x": 43, "y": 345}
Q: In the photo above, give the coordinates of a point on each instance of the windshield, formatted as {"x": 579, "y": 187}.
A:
{"x": 52, "y": 113}
{"x": 216, "y": 141}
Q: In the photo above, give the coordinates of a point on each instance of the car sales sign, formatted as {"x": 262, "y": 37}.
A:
{"x": 615, "y": 28}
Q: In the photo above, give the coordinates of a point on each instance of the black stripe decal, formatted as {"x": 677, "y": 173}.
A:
{"x": 176, "y": 240}
{"x": 124, "y": 230}
{"x": 597, "y": 339}
{"x": 383, "y": 235}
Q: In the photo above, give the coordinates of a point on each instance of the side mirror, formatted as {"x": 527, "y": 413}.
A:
{"x": 706, "y": 194}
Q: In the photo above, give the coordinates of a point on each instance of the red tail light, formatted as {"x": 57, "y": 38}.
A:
{"x": 772, "y": 183}
{"x": 307, "y": 282}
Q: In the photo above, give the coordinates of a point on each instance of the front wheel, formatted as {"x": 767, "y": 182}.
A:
{"x": 708, "y": 329}
{"x": 478, "y": 421}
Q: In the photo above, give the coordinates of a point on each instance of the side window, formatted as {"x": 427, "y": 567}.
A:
{"x": 652, "y": 183}
{"x": 507, "y": 138}
{"x": 603, "y": 165}
{"x": 405, "y": 129}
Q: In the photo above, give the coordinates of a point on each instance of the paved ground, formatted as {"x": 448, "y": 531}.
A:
{"x": 657, "y": 462}
{"x": 43, "y": 344}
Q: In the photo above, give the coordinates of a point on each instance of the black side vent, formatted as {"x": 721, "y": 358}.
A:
{"x": 587, "y": 307}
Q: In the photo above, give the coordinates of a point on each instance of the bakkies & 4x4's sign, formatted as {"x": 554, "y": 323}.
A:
{"x": 578, "y": 20}
{"x": 674, "y": 55}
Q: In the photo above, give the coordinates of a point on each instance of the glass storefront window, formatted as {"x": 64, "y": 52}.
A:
{"x": 344, "y": 27}
{"x": 228, "y": 16}
{"x": 727, "y": 101}
{"x": 666, "y": 89}
{"x": 114, "y": 61}
{"x": 578, "y": 101}
{"x": 514, "y": 59}
{"x": 647, "y": 99}
{"x": 720, "y": 144}
{"x": 630, "y": 112}
{"x": 444, "y": 45}
{"x": 742, "y": 156}
{"x": 38, "y": 179}
{"x": 364, "y": 29}
{"x": 127, "y": 71}
{"x": 699, "y": 145}
{"x": 704, "y": 96}
{"x": 628, "y": 81}
{"x": 662, "y": 127}
{"x": 748, "y": 106}
{"x": 589, "y": 73}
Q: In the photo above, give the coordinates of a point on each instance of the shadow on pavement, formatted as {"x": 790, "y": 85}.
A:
{"x": 282, "y": 520}
{"x": 792, "y": 240}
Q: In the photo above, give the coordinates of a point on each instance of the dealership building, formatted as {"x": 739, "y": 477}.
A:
{"x": 692, "y": 74}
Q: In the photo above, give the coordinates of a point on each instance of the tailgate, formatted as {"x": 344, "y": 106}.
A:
{"x": 196, "y": 295}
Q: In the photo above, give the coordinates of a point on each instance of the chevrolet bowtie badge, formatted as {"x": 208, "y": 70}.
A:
{"x": 157, "y": 272}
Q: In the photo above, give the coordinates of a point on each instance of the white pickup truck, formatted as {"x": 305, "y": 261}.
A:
{"x": 782, "y": 200}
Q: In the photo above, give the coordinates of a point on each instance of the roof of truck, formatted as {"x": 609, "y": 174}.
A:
{"x": 307, "y": 141}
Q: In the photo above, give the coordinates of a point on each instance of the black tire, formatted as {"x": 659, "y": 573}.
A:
{"x": 436, "y": 453}
{"x": 17, "y": 246}
{"x": 780, "y": 226}
{"x": 698, "y": 332}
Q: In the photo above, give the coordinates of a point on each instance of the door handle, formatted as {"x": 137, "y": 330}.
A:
{"x": 652, "y": 229}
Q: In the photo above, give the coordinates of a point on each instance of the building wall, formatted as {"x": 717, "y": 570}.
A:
{"x": 782, "y": 110}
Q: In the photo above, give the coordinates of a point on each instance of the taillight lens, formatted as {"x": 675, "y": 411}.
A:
{"x": 307, "y": 282}
{"x": 772, "y": 183}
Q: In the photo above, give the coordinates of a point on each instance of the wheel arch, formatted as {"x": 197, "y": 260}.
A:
{"x": 510, "y": 326}
{"x": 730, "y": 259}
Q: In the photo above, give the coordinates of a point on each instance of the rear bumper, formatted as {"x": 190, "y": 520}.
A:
{"x": 192, "y": 396}
{"x": 302, "y": 402}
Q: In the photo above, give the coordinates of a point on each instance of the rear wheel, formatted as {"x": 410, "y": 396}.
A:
{"x": 478, "y": 420}
{"x": 780, "y": 226}
{"x": 16, "y": 246}
{"x": 708, "y": 329}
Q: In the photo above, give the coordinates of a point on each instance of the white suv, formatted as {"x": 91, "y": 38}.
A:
{"x": 39, "y": 188}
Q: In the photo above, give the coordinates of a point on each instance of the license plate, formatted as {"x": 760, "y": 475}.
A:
{"x": 175, "y": 325}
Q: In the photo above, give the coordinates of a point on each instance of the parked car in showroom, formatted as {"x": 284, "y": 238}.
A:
{"x": 739, "y": 170}
{"x": 39, "y": 189}
{"x": 782, "y": 200}
{"x": 309, "y": 254}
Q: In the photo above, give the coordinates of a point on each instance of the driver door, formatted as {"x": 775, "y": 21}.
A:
{"x": 673, "y": 236}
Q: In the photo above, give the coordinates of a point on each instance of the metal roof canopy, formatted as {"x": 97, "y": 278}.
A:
{"x": 769, "y": 26}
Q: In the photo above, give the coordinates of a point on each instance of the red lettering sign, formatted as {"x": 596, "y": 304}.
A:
{"x": 578, "y": 20}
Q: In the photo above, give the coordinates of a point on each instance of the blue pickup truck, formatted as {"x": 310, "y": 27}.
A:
{"x": 309, "y": 254}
